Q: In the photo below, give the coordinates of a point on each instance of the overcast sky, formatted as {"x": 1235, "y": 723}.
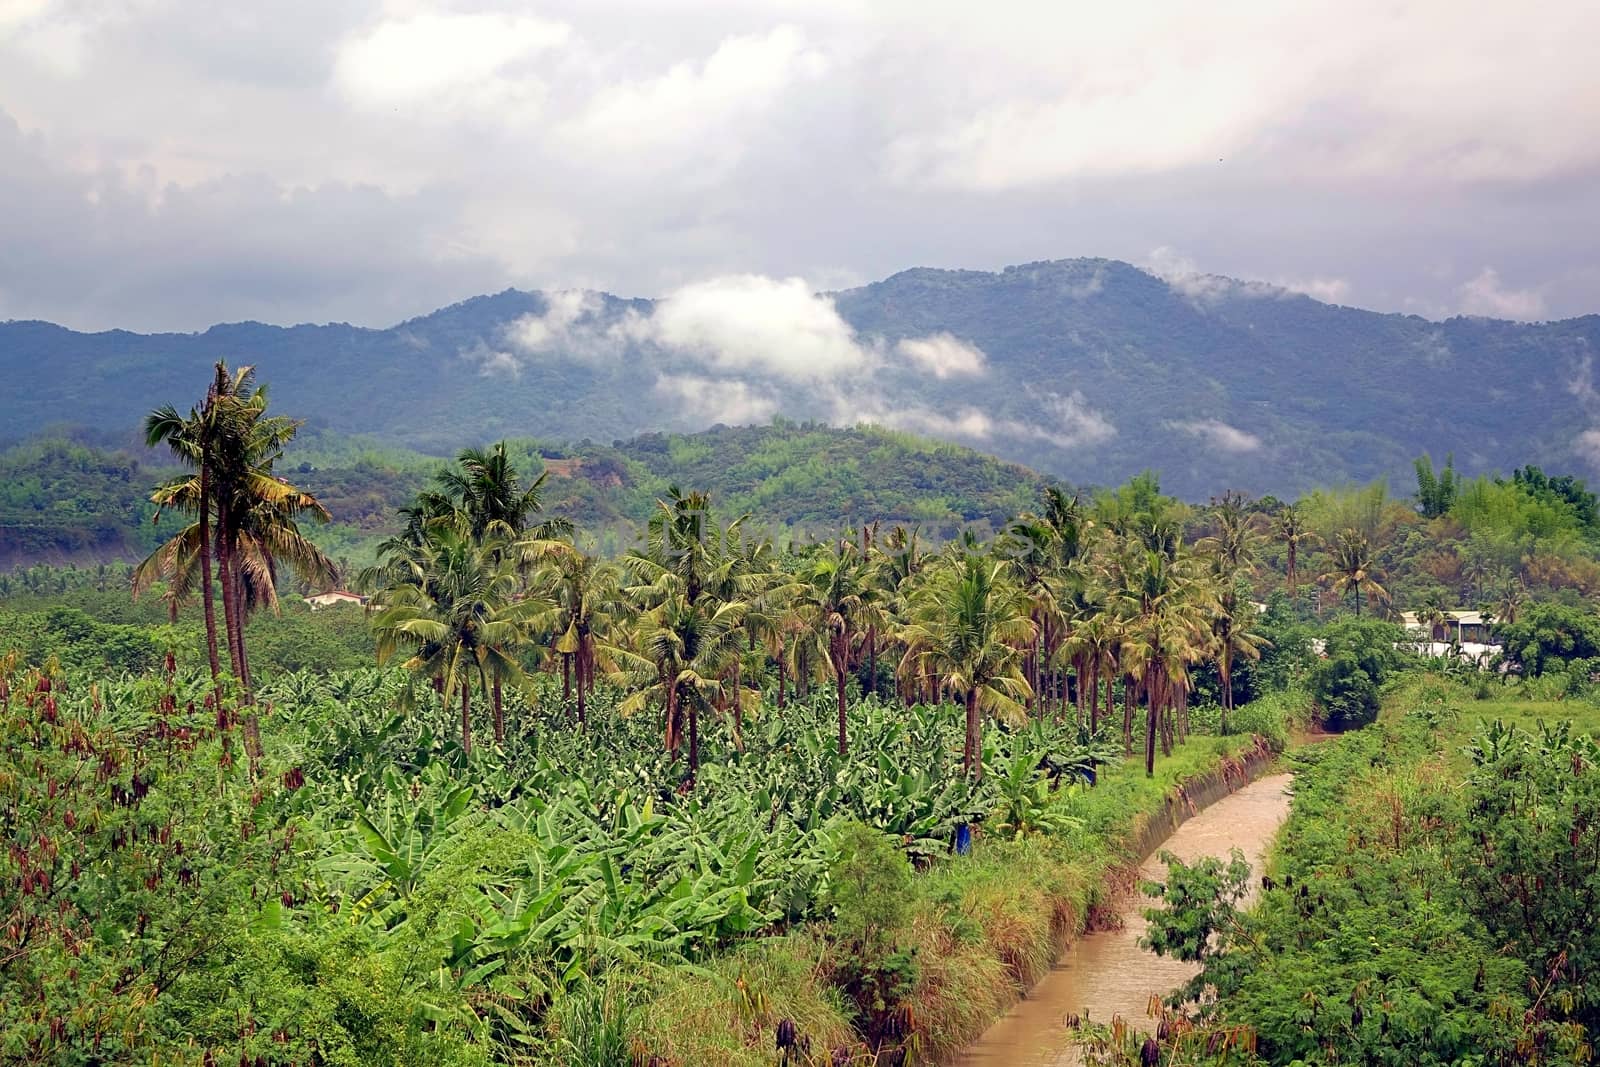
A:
{"x": 166, "y": 164}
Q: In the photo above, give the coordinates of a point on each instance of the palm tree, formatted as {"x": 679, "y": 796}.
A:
{"x": 232, "y": 444}
{"x": 1234, "y": 641}
{"x": 1512, "y": 596}
{"x": 1290, "y": 527}
{"x": 460, "y": 611}
{"x": 1433, "y": 615}
{"x": 1029, "y": 546}
{"x": 971, "y": 625}
{"x": 588, "y": 602}
{"x": 485, "y": 487}
{"x": 191, "y": 440}
{"x": 1354, "y": 567}
{"x": 836, "y": 597}
{"x": 1167, "y": 608}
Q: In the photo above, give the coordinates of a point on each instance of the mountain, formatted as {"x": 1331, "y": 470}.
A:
{"x": 1087, "y": 369}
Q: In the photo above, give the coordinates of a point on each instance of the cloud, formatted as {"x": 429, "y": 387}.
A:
{"x": 1327, "y": 290}
{"x": 444, "y": 62}
{"x": 571, "y": 327}
{"x": 966, "y": 422}
{"x": 1183, "y": 276}
{"x": 1219, "y": 435}
{"x": 1587, "y": 446}
{"x": 1181, "y": 273}
{"x": 1484, "y": 295}
{"x": 631, "y": 147}
{"x": 757, "y": 325}
{"x": 1073, "y": 423}
{"x": 713, "y": 400}
{"x": 943, "y": 355}
{"x": 492, "y": 362}
{"x": 695, "y": 108}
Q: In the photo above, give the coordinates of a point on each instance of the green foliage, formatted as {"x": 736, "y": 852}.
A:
{"x": 1436, "y": 490}
{"x": 1359, "y": 656}
{"x": 1381, "y": 935}
{"x": 1549, "y": 637}
{"x": 1529, "y": 856}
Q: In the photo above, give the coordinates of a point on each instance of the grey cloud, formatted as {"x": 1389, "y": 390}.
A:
{"x": 244, "y": 167}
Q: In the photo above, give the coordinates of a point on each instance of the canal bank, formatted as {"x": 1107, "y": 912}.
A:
{"x": 1103, "y": 972}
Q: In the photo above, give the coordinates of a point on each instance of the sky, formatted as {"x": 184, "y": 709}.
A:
{"x": 168, "y": 164}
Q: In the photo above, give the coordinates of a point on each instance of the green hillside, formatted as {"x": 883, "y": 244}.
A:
{"x": 65, "y": 501}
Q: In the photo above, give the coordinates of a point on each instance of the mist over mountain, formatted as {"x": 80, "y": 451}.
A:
{"x": 1087, "y": 369}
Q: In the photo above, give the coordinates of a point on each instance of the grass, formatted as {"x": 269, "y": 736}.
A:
{"x": 981, "y": 928}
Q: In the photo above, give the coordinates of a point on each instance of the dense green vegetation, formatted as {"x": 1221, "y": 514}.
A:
{"x": 709, "y": 799}
{"x": 794, "y": 480}
{"x": 1431, "y": 899}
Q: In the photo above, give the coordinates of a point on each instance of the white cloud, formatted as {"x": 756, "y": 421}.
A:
{"x": 1139, "y": 120}
{"x": 1587, "y": 447}
{"x": 943, "y": 355}
{"x": 712, "y": 400}
{"x": 1073, "y": 422}
{"x": 1327, "y": 290}
{"x": 445, "y": 62}
{"x": 1485, "y": 295}
{"x": 966, "y": 422}
{"x": 492, "y": 362}
{"x": 1219, "y": 435}
{"x": 569, "y": 327}
{"x": 759, "y": 325}
{"x": 692, "y": 115}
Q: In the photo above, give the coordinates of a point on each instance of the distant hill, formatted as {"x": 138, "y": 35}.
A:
{"x": 1094, "y": 370}
{"x": 67, "y": 502}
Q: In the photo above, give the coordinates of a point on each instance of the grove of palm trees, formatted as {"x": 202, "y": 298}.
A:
{"x": 708, "y": 800}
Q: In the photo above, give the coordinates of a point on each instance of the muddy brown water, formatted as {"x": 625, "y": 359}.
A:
{"x": 1106, "y": 973}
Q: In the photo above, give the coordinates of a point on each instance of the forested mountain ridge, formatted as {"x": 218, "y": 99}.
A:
{"x": 1087, "y": 369}
{"x": 64, "y": 501}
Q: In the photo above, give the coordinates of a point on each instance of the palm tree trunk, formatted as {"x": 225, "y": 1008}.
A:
{"x": 466, "y": 718}
{"x": 783, "y": 681}
{"x": 672, "y": 716}
{"x": 838, "y": 673}
{"x": 206, "y": 593}
{"x": 971, "y": 757}
{"x": 1035, "y": 701}
{"x": 585, "y": 675}
{"x": 1127, "y": 715}
{"x": 566, "y": 677}
{"x": 499, "y": 712}
{"x": 1152, "y": 723}
{"x": 1094, "y": 702}
{"x": 694, "y": 741}
{"x": 872, "y": 661}
{"x": 738, "y": 704}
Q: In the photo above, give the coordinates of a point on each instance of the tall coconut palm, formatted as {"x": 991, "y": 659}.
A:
{"x": 486, "y": 488}
{"x": 1354, "y": 567}
{"x": 244, "y": 514}
{"x": 971, "y": 625}
{"x": 836, "y": 596}
{"x": 1166, "y": 607}
{"x": 588, "y": 604}
{"x": 1028, "y": 545}
{"x": 1235, "y": 640}
{"x": 679, "y": 659}
{"x": 461, "y": 613}
{"x": 1289, "y": 526}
